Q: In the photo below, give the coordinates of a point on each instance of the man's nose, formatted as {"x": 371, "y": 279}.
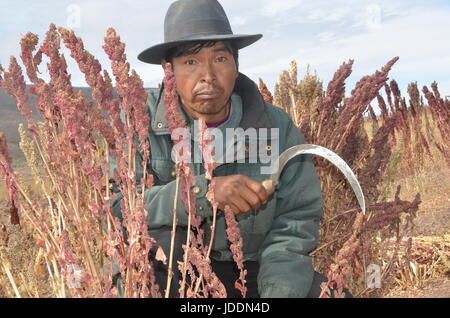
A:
{"x": 208, "y": 73}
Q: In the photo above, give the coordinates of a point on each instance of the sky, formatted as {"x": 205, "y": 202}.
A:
{"x": 321, "y": 34}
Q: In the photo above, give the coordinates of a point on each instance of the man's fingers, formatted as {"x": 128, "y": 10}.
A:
{"x": 258, "y": 189}
{"x": 242, "y": 205}
{"x": 251, "y": 197}
{"x": 237, "y": 208}
{"x": 240, "y": 192}
{"x": 233, "y": 208}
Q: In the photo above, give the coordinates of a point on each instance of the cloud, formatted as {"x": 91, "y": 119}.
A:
{"x": 238, "y": 20}
{"x": 372, "y": 15}
{"x": 337, "y": 14}
{"x": 333, "y": 14}
{"x": 272, "y": 8}
{"x": 411, "y": 36}
{"x": 325, "y": 36}
{"x": 321, "y": 33}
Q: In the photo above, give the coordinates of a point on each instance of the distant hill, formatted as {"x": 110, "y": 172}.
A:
{"x": 10, "y": 118}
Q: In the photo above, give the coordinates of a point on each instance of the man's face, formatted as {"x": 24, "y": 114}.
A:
{"x": 205, "y": 81}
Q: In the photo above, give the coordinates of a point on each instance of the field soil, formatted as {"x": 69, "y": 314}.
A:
{"x": 434, "y": 288}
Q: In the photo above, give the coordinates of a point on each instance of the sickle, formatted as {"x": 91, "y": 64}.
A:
{"x": 292, "y": 152}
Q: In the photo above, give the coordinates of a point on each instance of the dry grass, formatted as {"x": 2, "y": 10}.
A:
{"x": 433, "y": 214}
{"x": 430, "y": 178}
{"x": 434, "y": 288}
{"x": 26, "y": 264}
{"x": 20, "y": 251}
{"x": 428, "y": 263}
{"x": 426, "y": 272}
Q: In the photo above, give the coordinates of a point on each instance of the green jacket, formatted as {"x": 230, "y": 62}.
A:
{"x": 280, "y": 234}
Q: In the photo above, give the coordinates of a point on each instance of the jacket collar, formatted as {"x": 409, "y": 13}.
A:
{"x": 254, "y": 112}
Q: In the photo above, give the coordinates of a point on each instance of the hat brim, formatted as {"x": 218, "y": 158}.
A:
{"x": 156, "y": 53}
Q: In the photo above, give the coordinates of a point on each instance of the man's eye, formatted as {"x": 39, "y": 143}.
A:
{"x": 221, "y": 59}
{"x": 189, "y": 62}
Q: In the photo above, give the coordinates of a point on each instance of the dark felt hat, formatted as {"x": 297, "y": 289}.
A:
{"x": 195, "y": 20}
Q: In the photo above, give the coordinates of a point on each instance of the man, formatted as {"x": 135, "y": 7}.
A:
{"x": 279, "y": 230}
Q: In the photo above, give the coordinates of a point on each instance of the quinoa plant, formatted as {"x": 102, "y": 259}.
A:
{"x": 349, "y": 242}
{"x": 69, "y": 154}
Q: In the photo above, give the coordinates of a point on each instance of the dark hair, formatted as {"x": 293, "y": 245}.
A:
{"x": 195, "y": 47}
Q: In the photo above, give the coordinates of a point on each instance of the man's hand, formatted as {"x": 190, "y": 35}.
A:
{"x": 240, "y": 193}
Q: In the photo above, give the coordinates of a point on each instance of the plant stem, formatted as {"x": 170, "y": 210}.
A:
{"x": 75, "y": 205}
{"x": 294, "y": 106}
{"x": 341, "y": 214}
{"x": 172, "y": 240}
{"x": 6, "y": 266}
{"x": 331, "y": 242}
{"x": 211, "y": 241}
{"x": 187, "y": 244}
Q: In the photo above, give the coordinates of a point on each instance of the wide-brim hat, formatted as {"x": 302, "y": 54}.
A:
{"x": 195, "y": 20}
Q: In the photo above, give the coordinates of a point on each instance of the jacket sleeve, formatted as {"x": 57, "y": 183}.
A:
{"x": 159, "y": 201}
{"x": 285, "y": 265}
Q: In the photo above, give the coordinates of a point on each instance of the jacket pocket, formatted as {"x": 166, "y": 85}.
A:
{"x": 164, "y": 170}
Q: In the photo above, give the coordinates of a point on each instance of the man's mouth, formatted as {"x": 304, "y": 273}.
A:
{"x": 208, "y": 94}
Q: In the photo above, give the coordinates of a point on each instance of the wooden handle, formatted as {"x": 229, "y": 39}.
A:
{"x": 268, "y": 185}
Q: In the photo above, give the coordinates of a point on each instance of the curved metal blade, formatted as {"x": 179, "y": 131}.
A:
{"x": 327, "y": 154}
